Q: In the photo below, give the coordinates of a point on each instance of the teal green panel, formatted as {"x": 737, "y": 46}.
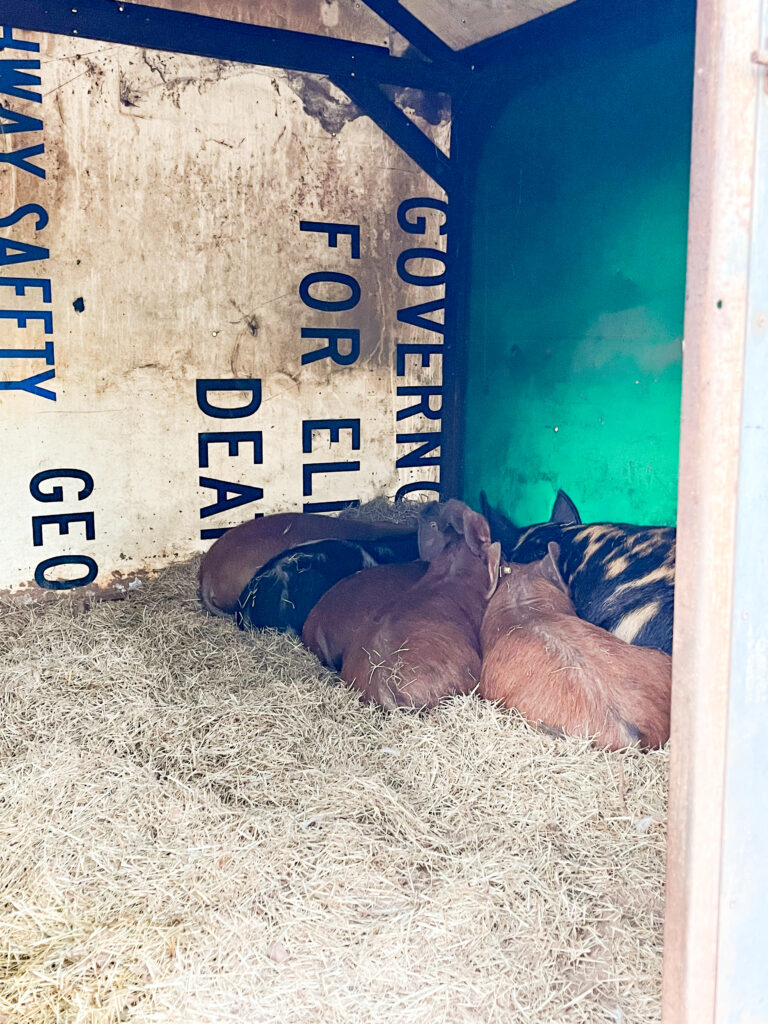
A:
{"x": 577, "y": 289}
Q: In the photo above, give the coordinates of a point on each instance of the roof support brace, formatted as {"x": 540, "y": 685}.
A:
{"x": 178, "y": 32}
{"x": 398, "y": 127}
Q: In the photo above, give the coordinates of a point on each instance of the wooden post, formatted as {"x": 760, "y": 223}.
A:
{"x": 726, "y": 89}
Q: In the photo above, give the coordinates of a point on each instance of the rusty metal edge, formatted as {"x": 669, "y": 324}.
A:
{"x": 715, "y": 325}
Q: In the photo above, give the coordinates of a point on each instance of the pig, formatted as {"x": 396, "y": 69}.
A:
{"x": 283, "y": 592}
{"x": 620, "y": 577}
{"x": 563, "y": 673}
{"x": 238, "y": 554}
{"x": 425, "y": 644}
{"x": 336, "y": 616}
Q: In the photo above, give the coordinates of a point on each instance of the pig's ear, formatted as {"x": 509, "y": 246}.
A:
{"x": 453, "y": 515}
{"x": 493, "y": 560}
{"x": 477, "y": 532}
{"x": 549, "y": 567}
{"x": 564, "y": 512}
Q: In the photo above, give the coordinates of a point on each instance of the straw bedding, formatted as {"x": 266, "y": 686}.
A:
{"x": 199, "y": 825}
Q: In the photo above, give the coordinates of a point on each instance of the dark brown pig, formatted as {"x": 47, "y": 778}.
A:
{"x": 338, "y": 614}
{"x": 238, "y": 554}
{"x": 425, "y": 644}
{"x": 564, "y": 673}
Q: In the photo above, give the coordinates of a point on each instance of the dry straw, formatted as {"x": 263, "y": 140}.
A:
{"x": 199, "y": 825}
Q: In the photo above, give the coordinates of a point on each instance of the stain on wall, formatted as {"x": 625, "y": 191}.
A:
{"x": 322, "y": 101}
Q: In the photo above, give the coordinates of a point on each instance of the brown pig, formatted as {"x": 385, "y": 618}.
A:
{"x": 233, "y": 559}
{"x": 564, "y": 673}
{"x": 337, "y": 615}
{"x": 425, "y": 644}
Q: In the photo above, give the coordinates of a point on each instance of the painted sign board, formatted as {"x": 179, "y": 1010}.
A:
{"x": 221, "y": 295}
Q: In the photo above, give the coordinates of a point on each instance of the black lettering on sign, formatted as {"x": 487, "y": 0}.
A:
{"x": 15, "y": 251}
{"x": 418, "y": 225}
{"x": 411, "y": 277}
{"x": 57, "y": 493}
{"x": 229, "y": 494}
{"x": 425, "y": 351}
{"x": 334, "y": 427}
{"x": 63, "y": 521}
{"x": 90, "y": 566}
{"x": 205, "y": 387}
{"x": 333, "y": 231}
{"x": 309, "y": 429}
{"x": 325, "y": 467}
{"x": 342, "y": 346}
{"x": 422, "y": 407}
{"x": 12, "y": 251}
{"x": 330, "y": 305}
{"x": 24, "y": 146}
{"x": 332, "y": 350}
{"x": 232, "y": 441}
{"x": 342, "y": 343}
{"x": 242, "y": 494}
{"x": 417, "y": 485}
{"x": 414, "y": 315}
{"x": 425, "y": 267}
{"x": 420, "y": 456}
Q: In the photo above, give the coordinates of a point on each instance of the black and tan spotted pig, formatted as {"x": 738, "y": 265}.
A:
{"x": 620, "y": 577}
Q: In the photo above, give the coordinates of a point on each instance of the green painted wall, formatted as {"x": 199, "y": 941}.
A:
{"x": 577, "y": 284}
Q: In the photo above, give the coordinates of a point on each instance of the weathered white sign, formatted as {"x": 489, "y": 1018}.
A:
{"x": 222, "y": 296}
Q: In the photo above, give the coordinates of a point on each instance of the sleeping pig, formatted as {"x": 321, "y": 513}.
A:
{"x": 334, "y": 619}
{"x": 425, "y": 644}
{"x": 564, "y": 673}
{"x": 233, "y": 559}
{"x": 620, "y": 577}
{"x": 282, "y": 592}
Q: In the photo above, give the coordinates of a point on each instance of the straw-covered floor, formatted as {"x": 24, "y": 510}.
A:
{"x": 200, "y": 825}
